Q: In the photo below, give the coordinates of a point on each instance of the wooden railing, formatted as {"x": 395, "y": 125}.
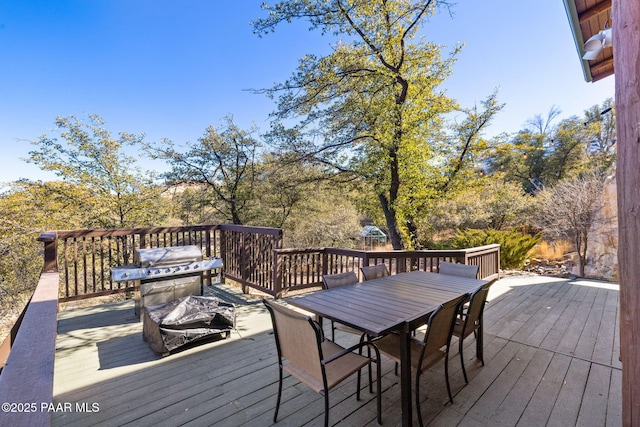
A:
{"x": 252, "y": 257}
{"x": 84, "y": 257}
{"x": 299, "y": 269}
{"x": 248, "y": 255}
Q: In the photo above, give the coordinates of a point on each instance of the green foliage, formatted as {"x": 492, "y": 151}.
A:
{"x": 26, "y": 210}
{"x": 221, "y": 166}
{"x": 489, "y": 203}
{"x": 372, "y": 109}
{"x": 104, "y": 185}
{"x": 514, "y": 245}
{"x": 542, "y": 154}
{"x": 327, "y": 221}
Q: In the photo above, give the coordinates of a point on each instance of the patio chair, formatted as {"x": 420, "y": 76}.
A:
{"x": 370, "y": 272}
{"x": 314, "y": 360}
{"x": 470, "y": 321}
{"x": 427, "y": 351}
{"x": 331, "y": 281}
{"x": 460, "y": 270}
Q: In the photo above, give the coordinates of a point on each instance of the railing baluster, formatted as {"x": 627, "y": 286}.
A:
{"x": 66, "y": 267}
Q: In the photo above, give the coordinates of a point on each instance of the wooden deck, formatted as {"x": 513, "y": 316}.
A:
{"x": 551, "y": 358}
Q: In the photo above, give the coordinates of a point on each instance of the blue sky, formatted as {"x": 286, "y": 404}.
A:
{"x": 170, "y": 68}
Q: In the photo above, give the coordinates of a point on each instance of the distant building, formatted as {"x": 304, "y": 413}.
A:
{"x": 372, "y": 236}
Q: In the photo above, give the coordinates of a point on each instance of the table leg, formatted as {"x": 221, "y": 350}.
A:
{"x": 405, "y": 376}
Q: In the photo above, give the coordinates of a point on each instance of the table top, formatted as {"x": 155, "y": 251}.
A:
{"x": 385, "y": 304}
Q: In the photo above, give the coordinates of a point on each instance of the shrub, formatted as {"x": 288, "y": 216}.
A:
{"x": 514, "y": 245}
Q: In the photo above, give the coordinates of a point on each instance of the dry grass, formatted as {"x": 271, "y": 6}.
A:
{"x": 553, "y": 251}
{"x": 10, "y": 312}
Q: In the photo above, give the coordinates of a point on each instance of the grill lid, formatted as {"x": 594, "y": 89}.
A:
{"x": 156, "y": 257}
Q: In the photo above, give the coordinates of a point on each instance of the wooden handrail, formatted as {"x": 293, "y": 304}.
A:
{"x": 84, "y": 257}
{"x": 252, "y": 257}
{"x": 299, "y": 269}
{"x": 27, "y": 377}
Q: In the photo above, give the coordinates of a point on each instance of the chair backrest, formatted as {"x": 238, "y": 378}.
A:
{"x": 476, "y": 306}
{"x": 460, "y": 270}
{"x": 440, "y": 326}
{"x": 370, "y": 272}
{"x": 298, "y": 338}
{"x": 340, "y": 279}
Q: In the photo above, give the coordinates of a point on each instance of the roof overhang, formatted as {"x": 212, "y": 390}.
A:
{"x": 587, "y": 18}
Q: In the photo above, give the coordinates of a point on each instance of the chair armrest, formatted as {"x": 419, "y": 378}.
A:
{"x": 361, "y": 344}
{"x": 319, "y": 326}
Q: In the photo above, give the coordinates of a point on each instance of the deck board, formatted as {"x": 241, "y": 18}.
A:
{"x": 544, "y": 398}
{"x": 551, "y": 358}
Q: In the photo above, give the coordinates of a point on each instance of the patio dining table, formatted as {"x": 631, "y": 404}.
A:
{"x": 400, "y": 303}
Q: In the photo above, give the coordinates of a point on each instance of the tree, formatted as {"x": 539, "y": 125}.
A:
{"x": 192, "y": 205}
{"x": 601, "y": 126}
{"x": 456, "y": 168}
{"x": 370, "y": 107}
{"x": 285, "y": 188}
{"x": 328, "y": 219}
{"x": 487, "y": 203}
{"x": 27, "y": 210}
{"x": 542, "y": 153}
{"x": 567, "y": 153}
{"x": 571, "y": 209}
{"x": 523, "y": 159}
{"x": 105, "y": 185}
{"x": 222, "y": 162}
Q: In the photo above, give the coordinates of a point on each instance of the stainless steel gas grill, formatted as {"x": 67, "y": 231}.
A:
{"x": 165, "y": 274}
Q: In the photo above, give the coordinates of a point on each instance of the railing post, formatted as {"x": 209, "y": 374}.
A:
{"x": 325, "y": 261}
{"x": 50, "y": 240}
{"x": 223, "y": 253}
{"x": 277, "y": 274}
{"x": 365, "y": 259}
{"x": 207, "y": 253}
{"x": 244, "y": 257}
{"x": 277, "y": 271}
{"x": 401, "y": 264}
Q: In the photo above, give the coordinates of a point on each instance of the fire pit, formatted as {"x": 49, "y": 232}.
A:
{"x": 165, "y": 274}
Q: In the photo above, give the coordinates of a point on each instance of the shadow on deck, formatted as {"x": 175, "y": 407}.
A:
{"x": 551, "y": 354}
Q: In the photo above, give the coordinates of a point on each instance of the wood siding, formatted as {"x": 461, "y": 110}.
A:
{"x": 626, "y": 39}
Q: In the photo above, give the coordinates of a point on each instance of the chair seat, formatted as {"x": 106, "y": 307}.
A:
{"x": 337, "y": 370}
{"x": 390, "y": 346}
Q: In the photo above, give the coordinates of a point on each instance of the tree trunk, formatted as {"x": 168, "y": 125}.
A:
{"x": 581, "y": 248}
{"x": 392, "y": 223}
{"x": 388, "y": 203}
{"x": 626, "y": 39}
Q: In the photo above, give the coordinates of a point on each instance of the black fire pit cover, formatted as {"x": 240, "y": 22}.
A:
{"x": 177, "y": 323}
